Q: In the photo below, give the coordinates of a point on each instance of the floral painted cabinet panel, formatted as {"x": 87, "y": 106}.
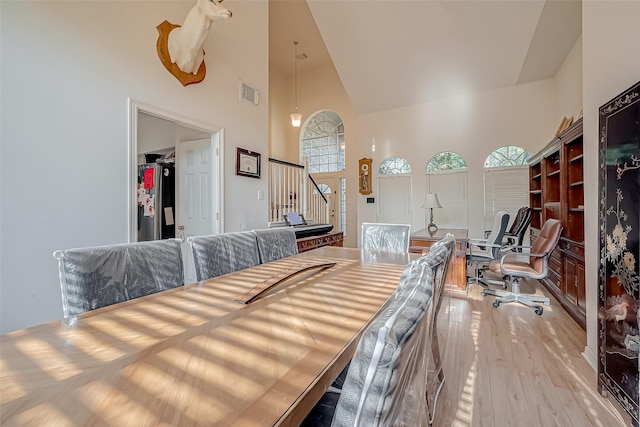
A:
{"x": 619, "y": 281}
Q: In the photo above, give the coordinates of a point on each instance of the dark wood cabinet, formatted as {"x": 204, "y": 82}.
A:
{"x": 331, "y": 239}
{"x": 556, "y": 190}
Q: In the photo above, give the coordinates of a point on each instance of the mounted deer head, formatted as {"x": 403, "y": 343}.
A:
{"x": 185, "y": 43}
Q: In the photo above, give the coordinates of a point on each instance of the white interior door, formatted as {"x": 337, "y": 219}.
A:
{"x": 197, "y": 196}
{"x": 394, "y": 199}
{"x": 330, "y": 187}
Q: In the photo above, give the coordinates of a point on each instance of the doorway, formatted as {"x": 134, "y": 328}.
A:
{"x": 198, "y": 149}
{"x": 330, "y": 186}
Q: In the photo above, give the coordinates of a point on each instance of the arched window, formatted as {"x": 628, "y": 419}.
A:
{"x": 394, "y": 191}
{"x": 445, "y": 161}
{"x": 447, "y": 177}
{"x": 509, "y": 155}
{"x": 322, "y": 142}
{"x": 506, "y": 182}
{"x": 394, "y": 165}
{"x": 324, "y": 188}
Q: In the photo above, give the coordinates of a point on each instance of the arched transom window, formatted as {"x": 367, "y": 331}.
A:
{"x": 394, "y": 165}
{"x": 446, "y": 160}
{"x": 509, "y": 155}
{"x": 322, "y": 142}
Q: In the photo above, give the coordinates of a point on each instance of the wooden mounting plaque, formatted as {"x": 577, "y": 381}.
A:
{"x": 163, "y": 53}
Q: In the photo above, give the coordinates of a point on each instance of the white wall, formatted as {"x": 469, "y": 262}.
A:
{"x": 154, "y": 134}
{"x": 611, "y": 42}
{"x": 68, "y": 69}
{"x": 472, "y": 126}
{"x": 568, "y": 84}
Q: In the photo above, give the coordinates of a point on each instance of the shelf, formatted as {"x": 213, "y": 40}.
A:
{"x": 562, "y": 198}
{"x": 576, "y": 158}
{"x": 537, "y": 176}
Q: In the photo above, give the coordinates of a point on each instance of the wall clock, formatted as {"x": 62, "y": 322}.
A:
{"x": 364, "y": 180}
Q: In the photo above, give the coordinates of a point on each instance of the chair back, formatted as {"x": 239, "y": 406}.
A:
{"x": 439, "y": 258}
{"x": 96, "y": 277}
{"x": 520, "y": 224}
{"x": 276, "y": 243}
{"x": 385, "y": 237}
{"x": 223, "y": 253}
{"x": 498, "y": 229}
{"x": 388, "y": 365}
{"x": 545, "y": 243}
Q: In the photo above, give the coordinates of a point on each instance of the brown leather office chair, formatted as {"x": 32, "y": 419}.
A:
{"x": 536, "y": 268}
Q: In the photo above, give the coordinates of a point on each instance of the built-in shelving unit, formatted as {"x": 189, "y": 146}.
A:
{"x": 556, "y": 190}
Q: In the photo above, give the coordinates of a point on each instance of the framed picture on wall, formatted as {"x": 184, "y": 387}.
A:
{"x": 247, "y": 163}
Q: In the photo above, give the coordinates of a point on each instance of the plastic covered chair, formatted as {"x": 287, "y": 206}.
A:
{"x": 276, "y": 243}
{"x": 438, "y": 258}
{"x": 396, "y": 348}
{"x": 96, "y": 277}
{"x": 223, "y": 253}
{"x": 537, "y": 268}
{"x": 385, "y": 237}
{"x": 482, "y": 251}
{"x": 389, "y": 365}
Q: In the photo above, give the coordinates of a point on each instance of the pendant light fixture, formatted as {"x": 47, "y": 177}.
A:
{"x": 296, "y": 117}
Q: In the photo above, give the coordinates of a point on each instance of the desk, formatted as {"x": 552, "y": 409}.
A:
{"x": 456, "y": 280}
{"x": 192, "y": 356}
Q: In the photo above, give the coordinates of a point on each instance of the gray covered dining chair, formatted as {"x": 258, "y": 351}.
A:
{"x": 391, "y": 360}
{"x": 99, "y": 276}
{"x": 223, "y": 253}
{"x": 275, "y": 243}
{"x": 389, "y": 363}
{"x": 385, "y": 237}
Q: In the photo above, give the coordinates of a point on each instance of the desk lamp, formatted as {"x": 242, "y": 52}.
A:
{"x": 430, "y": 202}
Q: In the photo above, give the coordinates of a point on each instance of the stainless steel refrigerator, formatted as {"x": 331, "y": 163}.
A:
{"x": 156, "y": 201}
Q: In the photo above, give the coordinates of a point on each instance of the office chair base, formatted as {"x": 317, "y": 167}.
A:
{"x": 479, "y": 279}
{"x": 516, "y": 296}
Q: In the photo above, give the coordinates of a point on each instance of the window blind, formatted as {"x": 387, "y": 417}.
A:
{"x": 394, "y": 192}
{"x": 451, "y": 188}
{"x": 505, "y": 189}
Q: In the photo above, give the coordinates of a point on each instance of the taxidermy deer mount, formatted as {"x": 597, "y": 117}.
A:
{"x": 180, "y": 47}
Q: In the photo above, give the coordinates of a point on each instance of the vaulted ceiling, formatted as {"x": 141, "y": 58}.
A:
{"x": 394, "y": 53}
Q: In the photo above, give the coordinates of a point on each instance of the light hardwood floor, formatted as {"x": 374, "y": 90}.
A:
{"x": 511, "y": 367}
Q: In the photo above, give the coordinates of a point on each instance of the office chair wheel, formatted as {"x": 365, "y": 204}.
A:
{"x": 496, "y": 303}
{"x": 539, "y": 311}
{"x": 483, "y": 293}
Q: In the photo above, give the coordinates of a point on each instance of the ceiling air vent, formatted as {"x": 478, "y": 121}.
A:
{"x": 248, "y": 93}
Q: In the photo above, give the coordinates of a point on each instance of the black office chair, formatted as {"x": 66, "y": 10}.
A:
{"x": 482, "y": 251}
{"x": 515, "y": 235}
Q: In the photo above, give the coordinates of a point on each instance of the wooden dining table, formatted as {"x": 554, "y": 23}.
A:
{"x": 195, "y": 355}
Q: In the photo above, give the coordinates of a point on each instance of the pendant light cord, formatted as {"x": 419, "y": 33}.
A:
{"x": 295, "y": 68}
